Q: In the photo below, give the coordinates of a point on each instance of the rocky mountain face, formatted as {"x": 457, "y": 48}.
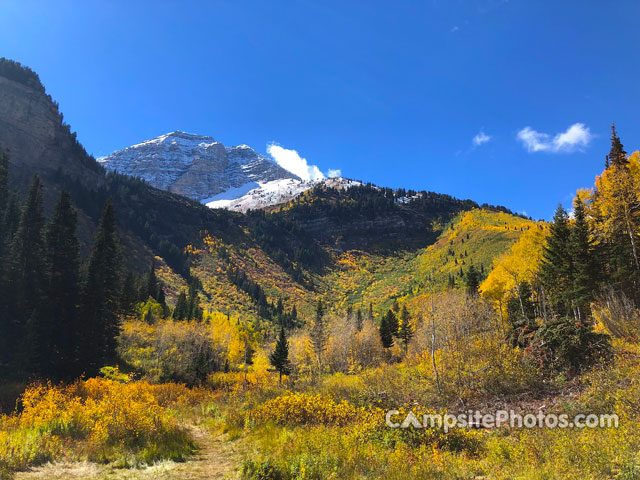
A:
{"x": 197, "y": 166}
{"x": 32, "y": 128}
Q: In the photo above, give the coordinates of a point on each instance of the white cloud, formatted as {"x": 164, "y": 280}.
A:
{"x": 481, "y": 138}
{"x": 455, "y": 28}
{"x": 333, "y": 173}
{"x": 292, "y": 161}
{"x": 575, "y": 138}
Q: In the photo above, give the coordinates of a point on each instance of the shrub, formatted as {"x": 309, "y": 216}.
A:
{"x": 111, "y": 420}
{"x": 266, "y": 470}
{"x": 564, "y": 344}
{"x": 305, "y": 409}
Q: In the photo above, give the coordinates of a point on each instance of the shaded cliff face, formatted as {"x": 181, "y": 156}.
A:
{"x": 195, "y": 166}
{"x": 31, "y": 128}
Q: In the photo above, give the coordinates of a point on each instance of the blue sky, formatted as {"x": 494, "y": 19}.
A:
{"x": 388, "y": 92}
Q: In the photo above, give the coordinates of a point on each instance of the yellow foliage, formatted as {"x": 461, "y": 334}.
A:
{"x": 170, "y": 350}
{"x": 111, "y": 417}
{"x": 613, "y": 207}
{"x": 305, "y": 409}
{"x": 518, "y": 265}
{"x": 489, "y": 220}
{"x": 225, "y": 330}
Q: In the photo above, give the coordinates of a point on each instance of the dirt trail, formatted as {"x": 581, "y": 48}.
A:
{"x": 217, "y": 458}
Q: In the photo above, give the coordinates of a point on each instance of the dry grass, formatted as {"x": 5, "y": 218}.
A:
{"x": 217, "y": 458}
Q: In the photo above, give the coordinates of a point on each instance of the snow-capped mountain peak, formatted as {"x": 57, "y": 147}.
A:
{"x": 196, "y": 166}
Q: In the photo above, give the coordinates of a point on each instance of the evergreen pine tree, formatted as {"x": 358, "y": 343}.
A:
{"x": 10, "y": 219}
{"x": 26, "y": 286}
{"x": 152, "y": 286}
{"x": 27, "y": 256}
{"x": 162, "y": 300}
{"x": 393, "y": 322}
{"x": 280, "y": 357}
{"x": 63, "y": 264}
{"x": 472, "y": 280}
{"x": 101, "y": 324}
{"x": 319, "y": 332}
{"x": 386, "y": 329}
{"x": 395, "y": 306}
{"x": 556, "y": 269}
{"x": 194, "y": 311}
{"x": 359, "y": 320}
{"x": 129, "y": 296}
{"x": 585, "y": 263}
{"x": 181, "y": 310}
{"x": 617, "y": 156}
{"x": 248, "y": 356}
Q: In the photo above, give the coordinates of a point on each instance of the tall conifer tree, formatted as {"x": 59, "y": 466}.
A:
{"x": 586, "y": 272}
{"x": 280, "y": 357}
{"x": 319, "y": 332}
{"x": 387, "y": 329}
{"x": 63, "y": 263}
{"x": 556, "y": 269}
{"x": 472, "y": 279}
{"x": 101, "y": 324}
{"x": 25, "y": 287}
{"x": 181, "y": 310}
{"x": 617, "y": 156}
{"x": 27, "y": 256}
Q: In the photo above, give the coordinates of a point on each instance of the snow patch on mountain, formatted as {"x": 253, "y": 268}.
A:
{"x": 274, "y": 193}
{"x": 264, "y": 195}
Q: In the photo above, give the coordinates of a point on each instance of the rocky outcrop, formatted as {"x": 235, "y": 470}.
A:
{"x": 31, "y": 128}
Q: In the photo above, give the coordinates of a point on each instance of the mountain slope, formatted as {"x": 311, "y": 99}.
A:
{"x": 341, "y": 240}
